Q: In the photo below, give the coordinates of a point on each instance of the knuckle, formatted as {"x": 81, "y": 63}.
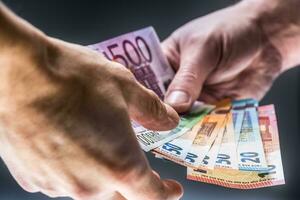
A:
{"x": 129, "y": 168}
{"x": 213, "y": 41}
{"x": 187, "y": 75}
{"x": 215, "y": 44}
{"x": 195, "y": 39}
{"x": 208, "y": 41}
{"x": 122, "y": 73}
{"x": 27, "y": 186}
{"x": 30, "y": 189}
{"x": 132, "y": 174}
{"x": 81, "y": 192}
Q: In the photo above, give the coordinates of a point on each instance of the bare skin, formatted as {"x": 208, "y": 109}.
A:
{"x": 65, "y": 110}
{"x": 236, "y": 52}
{"x": 65, "y": 119}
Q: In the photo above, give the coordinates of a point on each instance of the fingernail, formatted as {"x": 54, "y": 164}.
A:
{"x": 178, "y": 97}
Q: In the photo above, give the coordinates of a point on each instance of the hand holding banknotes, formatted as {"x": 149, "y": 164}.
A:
{"x": 66, "y": 111}
{"x": 235, "y": 52}
{"x": 65, "y": 119}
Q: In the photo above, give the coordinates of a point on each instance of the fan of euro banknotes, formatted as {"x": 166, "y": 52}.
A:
{"x": 231, "y": 144}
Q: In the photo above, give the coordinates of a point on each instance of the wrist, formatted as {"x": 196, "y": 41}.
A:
{"x": 280, "y": 22}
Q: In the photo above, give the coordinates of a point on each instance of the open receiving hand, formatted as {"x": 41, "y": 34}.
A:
{"x": 65, "y": 120}
{"x": 233, "y": 53}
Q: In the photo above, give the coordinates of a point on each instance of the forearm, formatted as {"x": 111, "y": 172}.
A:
{"x": 280, "y": 22}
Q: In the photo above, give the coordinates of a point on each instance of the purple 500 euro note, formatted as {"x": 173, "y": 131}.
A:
{"x": 141, "y": 53}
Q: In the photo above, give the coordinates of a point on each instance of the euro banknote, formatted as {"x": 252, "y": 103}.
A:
{"x": 238, "y": 179}
{"x": 140, "y": 52}
{"x": 251, "y": 156}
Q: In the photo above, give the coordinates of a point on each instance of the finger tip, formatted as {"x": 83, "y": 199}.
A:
{"x": 174, "y": 188}
{"x": 173, "y": 116}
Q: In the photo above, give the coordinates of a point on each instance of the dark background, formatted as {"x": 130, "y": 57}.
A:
{"x": 88, "y": 22}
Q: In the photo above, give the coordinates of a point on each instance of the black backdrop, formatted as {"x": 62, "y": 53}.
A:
{"x": 87, "y": 22}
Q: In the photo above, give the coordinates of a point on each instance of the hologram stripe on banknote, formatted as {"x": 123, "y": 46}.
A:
{"x": 227, "y": 155}
{"x": 251, "y": 156}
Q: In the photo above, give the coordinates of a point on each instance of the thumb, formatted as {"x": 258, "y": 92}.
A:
{"x": 146, "y": 108}
{"x": 196, "y": 63}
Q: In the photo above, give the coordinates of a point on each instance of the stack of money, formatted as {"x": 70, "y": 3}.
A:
{"x": 236, "y": 146}
{"x": 231, "y": 144}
